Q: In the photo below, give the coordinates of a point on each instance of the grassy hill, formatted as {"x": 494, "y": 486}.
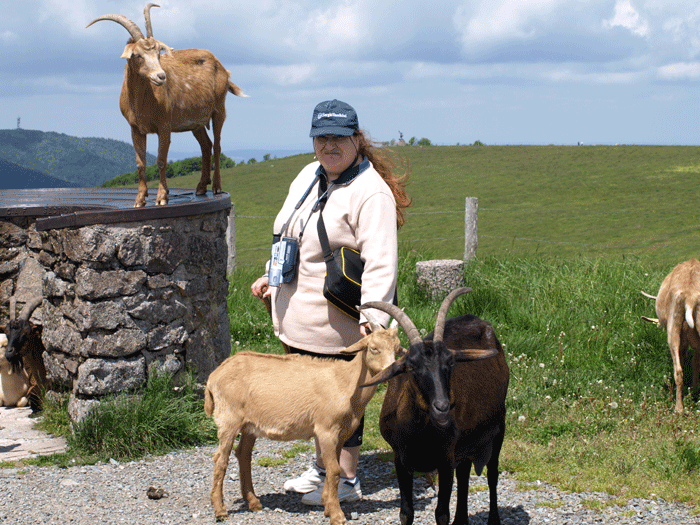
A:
{"x": 86, "y": 162}
{"x": 553, "y": 201}
{"x": 14, "y": 177}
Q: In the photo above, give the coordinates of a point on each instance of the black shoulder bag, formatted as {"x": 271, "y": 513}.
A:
{"x": 344, "y": 269}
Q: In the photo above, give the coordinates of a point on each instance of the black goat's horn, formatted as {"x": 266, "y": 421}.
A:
{"x": 30, "y": 306}
{"x": 391, "y": 371}
{"x": 442, "y": 313}
{"x": 401, "y": 318}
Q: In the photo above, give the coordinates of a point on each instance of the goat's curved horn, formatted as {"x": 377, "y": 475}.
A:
{"x": 442, "y": 313}
{"x": 13, "y": 306}
{"x": 401, "y": 318}
{"x": 391, "y": 371}
{"x": 373, "y": 322}
{"x": 130, "y": 26}
{"x": 648, "y": 295}
{"x": 147, "y": 16}
{"x": 30, "y": 306}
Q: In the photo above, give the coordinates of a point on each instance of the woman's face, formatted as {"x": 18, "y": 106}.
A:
{"x": 335, "y": 153}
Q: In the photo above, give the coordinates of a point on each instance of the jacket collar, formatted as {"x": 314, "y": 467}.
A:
{"x": 348, "y": 175}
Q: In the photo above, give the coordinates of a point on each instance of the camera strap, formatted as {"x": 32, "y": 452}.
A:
{"x": 285, "y": 226}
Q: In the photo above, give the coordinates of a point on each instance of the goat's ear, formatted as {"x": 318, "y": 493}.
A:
{"x": 354, "y": 348}
{"x": 128, "y": 51}
{"x": 394, "y": 369}
{"x": 167, "y": 49}
{"x": 473, "y": 354}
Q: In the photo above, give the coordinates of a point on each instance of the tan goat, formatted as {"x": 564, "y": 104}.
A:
{"x": 14, "y": 384}
{"x": 290, "y": 397}
{"x": 179, "y": 91}
{"x": 678, "y": 311}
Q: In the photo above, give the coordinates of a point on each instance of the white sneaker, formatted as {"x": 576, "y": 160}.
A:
{"x": 307, "y": 482}
{"x": 347, "y": 491}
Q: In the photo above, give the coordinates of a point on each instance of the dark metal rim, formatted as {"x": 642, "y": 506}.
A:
{"x": 63, "y": 208}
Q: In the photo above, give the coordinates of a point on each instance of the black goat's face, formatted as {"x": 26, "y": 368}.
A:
{"x": 432, "y": 366}
{"x": 17, "y": 332}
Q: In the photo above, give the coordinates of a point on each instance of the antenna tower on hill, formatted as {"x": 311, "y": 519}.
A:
{"x": 18, "y": 123}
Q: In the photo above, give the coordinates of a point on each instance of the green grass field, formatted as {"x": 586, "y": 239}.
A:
{"x": 561, "y": 201}
{"x": 568, "y": 237}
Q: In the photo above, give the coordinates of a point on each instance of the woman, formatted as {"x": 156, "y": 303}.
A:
{"x": 363, "y": 210}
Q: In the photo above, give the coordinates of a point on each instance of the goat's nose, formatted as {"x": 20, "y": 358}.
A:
{"x": 161, "y": 76}
{"x": 441, "y": 405}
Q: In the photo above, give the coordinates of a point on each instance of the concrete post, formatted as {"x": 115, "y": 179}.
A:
{"x": 471, "y": 207}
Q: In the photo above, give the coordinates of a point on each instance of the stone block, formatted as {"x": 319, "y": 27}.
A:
{"x": 437, "y": 278}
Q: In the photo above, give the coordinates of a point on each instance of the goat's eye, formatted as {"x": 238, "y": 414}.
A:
{"x": 374, "y": 349}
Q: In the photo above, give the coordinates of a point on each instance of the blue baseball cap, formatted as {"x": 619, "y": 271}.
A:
{"x": 334, "y": 117}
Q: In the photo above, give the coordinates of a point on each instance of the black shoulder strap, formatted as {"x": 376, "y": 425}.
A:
{"x": 322, "y": 235}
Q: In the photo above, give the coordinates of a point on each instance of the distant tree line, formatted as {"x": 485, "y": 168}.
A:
{"x": 177, "y": 168}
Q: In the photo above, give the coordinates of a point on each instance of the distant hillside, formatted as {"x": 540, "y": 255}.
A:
{"x": 85, "y": 162}
{"x": 14, "y": 177}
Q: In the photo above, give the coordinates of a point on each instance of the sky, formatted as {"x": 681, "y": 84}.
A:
{"x": 558, "y": 72}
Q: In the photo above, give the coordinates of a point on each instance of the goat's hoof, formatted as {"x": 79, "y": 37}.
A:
{"x": 138, "y": 204}
{"x": 221, "y": 516}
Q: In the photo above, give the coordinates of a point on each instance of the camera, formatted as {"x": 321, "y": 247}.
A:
{"x": 284, "y": 258}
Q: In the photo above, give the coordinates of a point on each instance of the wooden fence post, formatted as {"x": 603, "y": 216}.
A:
{"x": 231, "y": 240}
{"x": 471, "y": 207}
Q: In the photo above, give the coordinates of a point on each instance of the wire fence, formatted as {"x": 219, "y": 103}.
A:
{"x": 249, "y": 251}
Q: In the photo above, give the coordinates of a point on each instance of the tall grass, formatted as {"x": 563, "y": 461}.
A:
{"x": 161, "y": 418}
{"x": 590, "y": 403}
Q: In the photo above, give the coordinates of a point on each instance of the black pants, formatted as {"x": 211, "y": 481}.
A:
{"x": 356, "y": 439}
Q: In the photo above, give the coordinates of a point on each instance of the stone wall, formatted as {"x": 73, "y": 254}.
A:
{"x": 122, "y": 298}
{"x": 20, "y": 272}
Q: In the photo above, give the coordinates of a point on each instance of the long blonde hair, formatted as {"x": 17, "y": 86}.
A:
{"x": 392, "y": 168}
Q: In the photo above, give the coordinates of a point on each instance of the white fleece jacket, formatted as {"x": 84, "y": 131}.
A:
{"x": 361, "y": 215}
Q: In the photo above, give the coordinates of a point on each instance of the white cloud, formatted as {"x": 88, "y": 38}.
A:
{"x": 628, "y": 17}
{"x": 492, "y": 21}
{"x": 9, "y": 36}
{"x": 334, "y": 30}
{"x": 680, "y": 71}
{"x": 595, "y": 78}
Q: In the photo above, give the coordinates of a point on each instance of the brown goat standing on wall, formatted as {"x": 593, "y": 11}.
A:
{"x": 179, "y": 91}
{"x": 444, "y": 408}
{"x": 678, "y": 311}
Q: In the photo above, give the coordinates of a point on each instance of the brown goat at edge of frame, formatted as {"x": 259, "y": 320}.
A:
{"x": 678, "y": 312}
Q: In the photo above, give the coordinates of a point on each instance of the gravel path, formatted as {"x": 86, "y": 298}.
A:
{"x": 115, "y": 492}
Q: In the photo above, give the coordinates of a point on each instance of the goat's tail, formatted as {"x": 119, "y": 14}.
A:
{"x": 686, "y": 305}
{"x": 208, "y": 401}
{"x": 233, "y": 88}
{"x": 692, "y": 310}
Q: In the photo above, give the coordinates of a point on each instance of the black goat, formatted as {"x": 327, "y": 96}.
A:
{"x": 25, "y": 350}
{"x": 444, "y": 408}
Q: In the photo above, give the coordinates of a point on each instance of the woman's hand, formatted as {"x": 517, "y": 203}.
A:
{"x": 365, "y": 329}
{"x": 261, "y": 288}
